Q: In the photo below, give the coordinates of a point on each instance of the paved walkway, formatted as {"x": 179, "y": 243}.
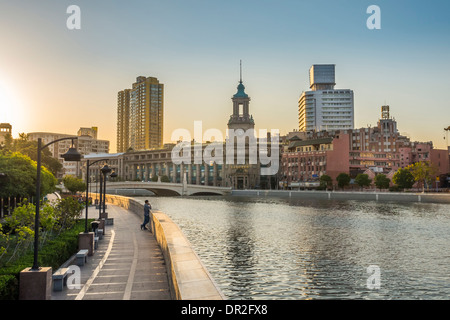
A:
{"x": 127, "y": 265}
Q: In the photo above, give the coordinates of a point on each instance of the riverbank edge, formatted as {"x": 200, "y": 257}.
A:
{"x": 347, "y": 195}
{"x": 188, "y": 277}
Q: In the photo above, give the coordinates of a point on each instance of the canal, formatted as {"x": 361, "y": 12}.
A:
{"x": 260, "y": 248}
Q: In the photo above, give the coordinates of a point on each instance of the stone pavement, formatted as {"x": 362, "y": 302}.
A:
{"x": 127, "y": 265}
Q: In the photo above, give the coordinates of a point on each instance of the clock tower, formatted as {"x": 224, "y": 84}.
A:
{"x": 241, "y": 173}
{"x": 241, "y": 119}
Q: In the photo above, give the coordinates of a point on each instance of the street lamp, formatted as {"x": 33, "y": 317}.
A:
{"x": 71, "y": 155}
{"x": 446, "y": 131}
{"x": 88, "y": 164}
{"x": 105, "y": 170}
{"x": 113, "y": 174}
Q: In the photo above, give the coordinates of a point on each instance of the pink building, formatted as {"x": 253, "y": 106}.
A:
{"x": 440, "y": 158}
{"x": 304, "y": 161}
{"x": 373, "y": 150}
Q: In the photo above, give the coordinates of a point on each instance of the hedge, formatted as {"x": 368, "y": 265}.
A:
{"x": 54, "y": 253}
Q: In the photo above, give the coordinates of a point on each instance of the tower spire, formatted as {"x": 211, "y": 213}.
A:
{"x": 241, "y": 72}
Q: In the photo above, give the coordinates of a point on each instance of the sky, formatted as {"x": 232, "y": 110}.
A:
{"x": 54, "y": 79}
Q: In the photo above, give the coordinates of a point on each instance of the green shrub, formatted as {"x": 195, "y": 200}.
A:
{"x": 395, "y": 189}
{"x": 54, "y": 253}
{"x": 9, "y": 287}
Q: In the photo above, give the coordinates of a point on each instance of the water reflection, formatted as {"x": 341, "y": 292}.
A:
{"x": 239, "y": 252}
{"x": 297, "y": 249}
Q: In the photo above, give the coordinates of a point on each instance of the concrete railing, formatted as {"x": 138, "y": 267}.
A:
{"x": 188, "y": 277}
{"x": 348, "y": 195}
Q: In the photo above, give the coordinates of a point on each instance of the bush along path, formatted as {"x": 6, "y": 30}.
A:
{"x": 59, "y": 229}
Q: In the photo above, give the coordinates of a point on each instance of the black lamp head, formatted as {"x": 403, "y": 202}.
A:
{"x": 72, "y": 155}
{"x": 106, "y": 169}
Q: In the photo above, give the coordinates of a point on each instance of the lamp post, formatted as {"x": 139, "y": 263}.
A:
{"x": 105, "y": 170}
{"x": 35, "y": 282}
{"x": 446, "y": 131}
{"x": 88, "y": 164}
{"x": 112, "y": 175}
{"x": 71, "y": 155}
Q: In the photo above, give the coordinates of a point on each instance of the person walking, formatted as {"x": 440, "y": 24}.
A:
{"x": 147, "y": 208}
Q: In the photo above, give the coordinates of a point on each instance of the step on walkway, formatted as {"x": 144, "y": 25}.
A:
{"x": 127, "y": 264}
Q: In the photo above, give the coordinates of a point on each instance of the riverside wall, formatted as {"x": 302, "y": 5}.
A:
{"x": 188, "y": 277}
{"x": 348, "y": 195}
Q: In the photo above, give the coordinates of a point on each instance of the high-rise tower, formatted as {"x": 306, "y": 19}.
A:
{"x": 123, "y": 120}
{"x": 140, "y": 115}
{"x": 324, "y": 107}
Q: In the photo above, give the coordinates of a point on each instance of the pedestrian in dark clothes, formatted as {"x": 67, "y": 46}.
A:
{"x": 147, "y": 208}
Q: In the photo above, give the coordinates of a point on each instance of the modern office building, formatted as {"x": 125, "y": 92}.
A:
{"x": 324, "y": 107}
{"x": 140, "y": 115}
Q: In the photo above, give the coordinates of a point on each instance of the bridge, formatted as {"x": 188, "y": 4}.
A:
{"x": 170, "y": 189}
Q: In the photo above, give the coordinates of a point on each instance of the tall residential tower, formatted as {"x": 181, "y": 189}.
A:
{"x": 123, "y": 120}
{"x": 324, "y": 107}
{"x": 140, "y": 115}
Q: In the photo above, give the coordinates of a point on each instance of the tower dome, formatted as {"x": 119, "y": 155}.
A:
{"x": 240, "y": 93}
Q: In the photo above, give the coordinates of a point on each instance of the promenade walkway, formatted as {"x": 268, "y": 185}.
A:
{"x": 127, "y": 265}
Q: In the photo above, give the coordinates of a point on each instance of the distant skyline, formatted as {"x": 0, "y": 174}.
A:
{"x": 54, "y": 79}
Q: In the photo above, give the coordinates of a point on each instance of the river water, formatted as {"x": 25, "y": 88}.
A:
{"x": 322, "y": 249}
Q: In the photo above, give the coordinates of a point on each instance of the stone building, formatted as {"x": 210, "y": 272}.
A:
{"x": 241, "y": 174}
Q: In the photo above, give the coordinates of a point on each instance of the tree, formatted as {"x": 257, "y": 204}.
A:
{"x": 165, "y": 178}
{"x": 381, "y": 181}
{"x": 343, "y": 180}
{"x": 20, "y": 179}
{"x": 423, "y": 172}
{"x": 403, "y": 178}
{"x": 363, "y": 180}
{"x": 325, "y": 181}
{"x": 67, "y": 211}
{"x": 29, "y": 148}
{"x": 74, "y": 184}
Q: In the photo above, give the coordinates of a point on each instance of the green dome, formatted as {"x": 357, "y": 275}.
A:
{"x": 240, "y": 93}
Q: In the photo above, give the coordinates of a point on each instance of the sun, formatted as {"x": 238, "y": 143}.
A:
{"x": 11, "y": 110}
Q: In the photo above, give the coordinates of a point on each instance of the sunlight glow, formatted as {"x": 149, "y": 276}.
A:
{"x": 6, "y": 99}
{"x": 11, "y": 109}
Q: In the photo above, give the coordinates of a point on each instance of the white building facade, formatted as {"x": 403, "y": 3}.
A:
{"x": 324, "y": 107}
